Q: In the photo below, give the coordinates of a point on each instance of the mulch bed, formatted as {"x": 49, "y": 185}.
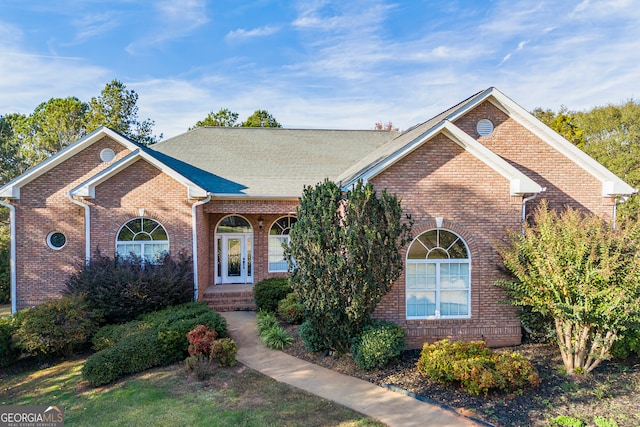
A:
{"x": 611, "y": 391}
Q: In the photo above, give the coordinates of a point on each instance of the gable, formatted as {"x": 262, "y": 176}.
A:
{"x": 79, "y": 168}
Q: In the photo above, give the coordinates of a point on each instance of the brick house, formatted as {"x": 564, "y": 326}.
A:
{"x": 228, "y": 196}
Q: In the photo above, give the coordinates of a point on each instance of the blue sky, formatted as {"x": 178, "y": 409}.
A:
{"x": 318, "y": 63}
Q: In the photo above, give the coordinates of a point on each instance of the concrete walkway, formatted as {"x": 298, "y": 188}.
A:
{"x": 392, "y": 408}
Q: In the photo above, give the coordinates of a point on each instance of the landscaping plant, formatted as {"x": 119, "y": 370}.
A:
{"x": 378, "y": 344}
{"x": 344, "y": 257}
{"x": 291, "y": 310}
{"x": 268, "y": 293}
{"x": 582, "y": 273}
{"x": 477, "y": 368}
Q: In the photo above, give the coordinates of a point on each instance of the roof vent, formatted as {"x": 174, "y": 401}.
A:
{"x": 484, "y": 127}
{"x": 107, "y": 155}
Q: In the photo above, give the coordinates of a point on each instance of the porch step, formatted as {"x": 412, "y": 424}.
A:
{"x": 230, "y": 301}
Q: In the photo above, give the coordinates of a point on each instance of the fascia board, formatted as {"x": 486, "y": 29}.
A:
{"x": 12, "y": 188}
{"x": 237, "y": 196}
{"x": 366, "y": 175}
{"x": 519, "y": 183}
{"x": 612, "y": 185}
{"x": 87, "y": 189}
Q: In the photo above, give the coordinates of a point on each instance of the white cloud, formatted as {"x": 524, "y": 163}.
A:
{"x": 256, "y": 32}
{"x": 95, "y": 24}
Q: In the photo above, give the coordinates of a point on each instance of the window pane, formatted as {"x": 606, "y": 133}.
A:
{"x": 454, "y": 276}
{"x": 421, "y": 304}
{"x": 458, "y": 251}
{"x": 234, "y": 224}
{"x": 438, "y": 254}
{"x": 277, "y": 261}
{"x": 159, "y": 233}
{"x": 126, "y": 249}
{"x": 126, "y": 235}
{"x": 135, "y": 225}
{"x": 447, "y": 238}
{"x": 417, "y": 251}
{"x": 429, "y": 239}
{"x": 155, "y": 251}
{"x": 454, "y": 303}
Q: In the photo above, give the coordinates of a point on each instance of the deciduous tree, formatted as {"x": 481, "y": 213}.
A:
{"x": 585, "y": 275}
{"x": 261, "y": 119}
{"x": 224, "y": 117}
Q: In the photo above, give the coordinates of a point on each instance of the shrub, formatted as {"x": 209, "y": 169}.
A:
{"x": 567, "y": 421}
{"x": 269, "y": 292}
{"x": 276, "y": 338}
{"x": 537, "y": 327}
{"x": 477, "y": 368}
{"x": 57, "y": 327}
{"x": 291, "y": 310}
{"x": 265, "y": 321}
{"x": 627, "y": 345}
{"x": 224, "y": 350}
{"x": 9, "y": 351}
{"x": 604, "y": 422}
{"x": 378, "y": 344}
{"x": 311, "y": 338}
{"x": 154, "y": 339}
{"x": 125, "y": 287}
{"x": 200, "y": 340}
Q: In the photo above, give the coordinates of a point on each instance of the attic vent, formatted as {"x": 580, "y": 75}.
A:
{"x": 484, "y": 127}
{"x": 107, "y": 155}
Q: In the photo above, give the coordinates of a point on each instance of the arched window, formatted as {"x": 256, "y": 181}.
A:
{"x": 279, "y": 235}
{"x": 438, "y": 276}
{"x": 143, "y": 237}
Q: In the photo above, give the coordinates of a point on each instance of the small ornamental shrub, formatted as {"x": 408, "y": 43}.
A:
{"x": 477, "y": 368}
{"x": 567, "y": 421}
{"x": 224, "y": 351}
{"x": 291, "y": 310}
{"x": 311, "y": 338}
{"x": 276, "y": 338}
{"x": 9, "y": 351}
{"x": 155, "y": 339}
{"x": 378, "y": 344}
{"x": 265, "y": 321}
{"x": 57, "y": 328}
{"x": 201, "y": 339}
{"x": 537, "y": 328}
{"x": 124, "y": 288}
{"x": 627, "y": 345}
{"x": 604, "y": 422}
{"x": 269, "y": 292}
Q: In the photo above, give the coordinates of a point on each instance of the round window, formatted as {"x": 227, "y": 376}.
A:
{"x": 484, "y": 127}
{"x": 56, "y": 240}
{"x": 107, "y": 155}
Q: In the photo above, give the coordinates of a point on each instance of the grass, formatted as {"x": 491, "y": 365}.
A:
{"x": 5, "y": 310}
{"x": 168, "y": 396}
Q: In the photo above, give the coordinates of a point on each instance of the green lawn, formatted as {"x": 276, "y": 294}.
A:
{"x": 5, "y": 310}
{"x": 167, "y": 396}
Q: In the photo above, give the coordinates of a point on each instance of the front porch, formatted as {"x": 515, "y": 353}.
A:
{"x": 234, "y": 297}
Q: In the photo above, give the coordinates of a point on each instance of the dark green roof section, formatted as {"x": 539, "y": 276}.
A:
{"x": 266, "y": 162}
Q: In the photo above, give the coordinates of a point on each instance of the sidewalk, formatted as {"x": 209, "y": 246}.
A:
{"x": 393, "y": 409}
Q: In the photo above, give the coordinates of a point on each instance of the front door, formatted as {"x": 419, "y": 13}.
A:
{"x": 235, "y": 258}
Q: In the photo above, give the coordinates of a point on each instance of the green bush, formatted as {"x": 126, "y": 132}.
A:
{"x": 57, "y": 327}
{"x": 538, "y": 328}
{"x": 378, "y": 344}
{"x": 124, "y": 288}
{"x": 155, "y": 339}
{"x": 9, "y": 351}
{"x": 604, "y": 422}
{"x": 477, "y": 368}
{"x": 567, "y": 421}
{"x": 291, "y": 309}
{"x": 224, "y": 350}
{"x": 311, "y": 338}
{"x": 265, "y": 320}
{"x": 627, "y": 345}
{"x": 276, "y": 338}
{"x": 269, "y": 292}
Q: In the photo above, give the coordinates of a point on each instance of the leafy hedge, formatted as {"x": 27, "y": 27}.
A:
{"x": 378, "y": 344}
{"x": 123, "y": 288}
{"x": 291, "y": 309}
{"x": 477, "y": 368}
{"x": 269, "y": 292}
{"x": 9, "y": 351}
{"x": 57, "y": 327}
{"x": 155, "y": 339}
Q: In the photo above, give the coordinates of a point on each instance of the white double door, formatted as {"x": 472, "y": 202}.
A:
{"x": 235, "y": 257}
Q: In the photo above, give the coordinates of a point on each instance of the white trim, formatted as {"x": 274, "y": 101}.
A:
{"x": 612, "y": 185}
{"x": 519, "y": 183}
{"x": 12, "y": 188}
{"x": 51, "y": 245}
{"x": 194, "y": 238}
{"x": 239, "y": 196}
{"x": 12, "y": 254}
{"x": 87, "y": 228}
{"x": 88, "y": 188}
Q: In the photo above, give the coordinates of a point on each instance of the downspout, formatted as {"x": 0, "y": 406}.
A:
{"x": 12, "y": 255}
{"x": 524, "y": 208}
{"x": 615, "y": 212}
{"x": 194, "y": 238}
{"x": 87, "y": 228}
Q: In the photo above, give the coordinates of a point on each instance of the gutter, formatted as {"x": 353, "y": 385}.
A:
{"x": 194, "y": 239}
{"x": 12, "y": 254}
{"x": 87, "y": 228}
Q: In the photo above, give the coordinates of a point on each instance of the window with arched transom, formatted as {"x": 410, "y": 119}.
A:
{"x": 143, "y": 237}
{"x": 279, "y": 236}
{"x": 438, "y": 277}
